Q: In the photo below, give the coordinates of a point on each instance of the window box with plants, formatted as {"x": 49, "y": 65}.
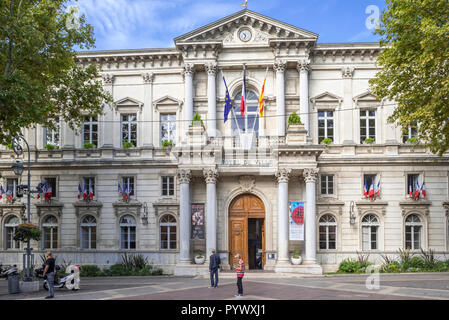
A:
{"x": 89, "y": 145}
{"x": 294, "y": 122}
{"x": 369, "y": 141}
{"x": 127, "y": 145}
{"x": 199, "y": 257}
{"x": 51, "y": 147}
{"x": 327, "y": 141}
{"x": 412, "y": 141}
{"x": 296, "y": 258}
{"x": 167, "y": 145}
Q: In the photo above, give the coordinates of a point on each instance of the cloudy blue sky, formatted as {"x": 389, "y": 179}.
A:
{"x": 136, "y": 24}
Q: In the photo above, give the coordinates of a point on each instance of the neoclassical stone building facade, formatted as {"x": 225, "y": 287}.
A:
{"x": 228, "y": 185}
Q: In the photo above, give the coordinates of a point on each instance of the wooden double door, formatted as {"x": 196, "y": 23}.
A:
{"x": 247, "y": 231}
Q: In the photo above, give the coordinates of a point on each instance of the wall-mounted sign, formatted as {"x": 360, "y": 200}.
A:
{"x": 296, "y": 220}
{"x": 198, "y": 221}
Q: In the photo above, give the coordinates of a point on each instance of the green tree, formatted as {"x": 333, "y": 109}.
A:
{"x": 39, "y": 77}
{"x": 415, "y": 67}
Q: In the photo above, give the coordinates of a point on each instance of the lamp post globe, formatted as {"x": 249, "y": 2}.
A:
{"x": 18, "y": 168}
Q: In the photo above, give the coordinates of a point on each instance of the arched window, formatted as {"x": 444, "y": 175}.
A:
{"x": 252, "y": 107}
{"x": 50, "y": 232}
{"x": 168, "y": 232}
{"x": 127, "y": 233}
{"x": 370, "y": 230}
{"x": 10, "y": 230}
{"x": 328, "y": 232}
{"x": 88, "y": 232}
{"x": 413, "y": 230}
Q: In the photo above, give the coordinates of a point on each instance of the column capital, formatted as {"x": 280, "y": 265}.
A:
{"x": 211, "y": 68}
{"x": 184, "y": 176}
{"x": 210, "y": 175}
{"x": 148, "y": 77}
{"x": 188, "y": 69}
{"x": 347, "y": 72}
{"x": 303, "y": 65}
{"x": 279, "y": 65}
{"x": 108, "y": 78}
{"x": 283, "y": 175}
{"x": 310, "y": 174}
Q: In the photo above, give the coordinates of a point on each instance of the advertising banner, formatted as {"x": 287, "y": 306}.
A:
{"x": 198, "y": 221}
{"x": 296, "y": 220}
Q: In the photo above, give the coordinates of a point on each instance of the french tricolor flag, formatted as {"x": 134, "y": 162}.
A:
{"x": 91, "y": 192}
{"x": 365, "y": 190}
{"x": 410, "y": 189}
{"x": 80, "y": 191}
{"x": 378, "y": 189}
{"x": 416, "y": 194}
{"x": 119, "y": 189}
{"x": 85, "y": 195}
{"x": 371, "y": 190}
{"x": 2, "y": 192}
{"x": 125, "y": 192}
{"x": 242, "y": 101}
{"x": 423, "y": 189}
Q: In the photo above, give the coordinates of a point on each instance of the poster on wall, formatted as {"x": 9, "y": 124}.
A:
{"x": 296, "y": 220}
{"x": 198, "y": 221}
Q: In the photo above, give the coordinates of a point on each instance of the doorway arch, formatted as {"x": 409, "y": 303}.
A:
{"x": 247, "y": 230}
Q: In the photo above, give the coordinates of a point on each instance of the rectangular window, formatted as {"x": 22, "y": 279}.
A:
{"x": 51, "y": 182}
{"x": 168, "y": 128}
{"x": 327, "y": 184}
{"x": 52, "y": 135}
{"x": 90, "y": 130}
{"x": 11, "y": 186}
{"x": 89, "y": 184}
{"x": 129, "y": 128}
{"x": 168, "y": 186}
{"x": 411, "y": 183}
{"x": 409, "y": 132}
{"x": 367, "y": 125}
{"x": 325, "y": 125}
{"x": 369, "y": 179}
{"x": 369, "y": 238}
{"x": 129, "y": 183}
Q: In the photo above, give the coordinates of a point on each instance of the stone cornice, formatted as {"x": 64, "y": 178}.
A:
{"x": 6, "y": 208}
{"x": 376, "y": 206}
{"x": 163, "y": 206}
{"x": 49, "y": 207}
{"x": 121, "y": 207}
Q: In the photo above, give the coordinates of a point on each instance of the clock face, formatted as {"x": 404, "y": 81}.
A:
{"x": 245, "y": 35}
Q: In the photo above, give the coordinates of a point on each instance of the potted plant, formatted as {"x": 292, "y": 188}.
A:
{"x": 369, "y": 140}
{"x": 327, "y": 141}
{"x": 27, "y": 231}
{"x": 167, "y": 144}
{"x": 199, "y": 257}
{"x": 197, "y": 122}
{"x": 294, "y": 119}
{"x": 127, "y": 144}
{"x": 89, "y": 145}
{"x": 412, "y": 140}
{"x": 51, "y": 147}
{"x": 296, "y": 258}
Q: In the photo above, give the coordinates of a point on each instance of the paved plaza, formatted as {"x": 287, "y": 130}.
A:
{"x": 256, "y": 287}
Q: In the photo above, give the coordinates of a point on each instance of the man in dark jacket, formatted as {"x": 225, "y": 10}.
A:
{"x": 214, "y": 263}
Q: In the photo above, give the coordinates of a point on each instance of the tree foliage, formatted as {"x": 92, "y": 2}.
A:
{"x": 415, "y": 67}
{"x": 39, "y": 78}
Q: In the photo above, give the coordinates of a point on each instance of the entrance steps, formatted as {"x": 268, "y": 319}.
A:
{"x": 257, "y": 274}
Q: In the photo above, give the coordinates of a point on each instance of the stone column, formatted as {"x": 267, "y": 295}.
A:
{"x": 211, "y": 69}
{"x": 184, "y": 215}
{"x": 310, "y": 177}
{"x": 282, "y": 176}
{"x": 188, "y": 96}
{"x": 347, "y": 116}
{"x": 279, "y": 66}
{"x": 303, "y": 69}
{"x": 108, "y": 118}
{"x": 147, "y": 113}
{"x": 211, "y": 176}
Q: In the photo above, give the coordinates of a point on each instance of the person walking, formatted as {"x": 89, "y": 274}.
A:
{"x": 240, "y": 268}
{"x": 214, "y": 264}
{"x": 50, "y": 272}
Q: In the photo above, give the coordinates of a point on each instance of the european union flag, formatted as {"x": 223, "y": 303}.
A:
{"x": 228, "y": 106}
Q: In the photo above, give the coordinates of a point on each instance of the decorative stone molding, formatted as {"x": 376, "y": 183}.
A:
{"x": 210, "y": 175}
{"x": 52, "y": 207}
{"x": 413, "y": 206}
{"x": 377, "y": 207}
{"x": 148, "y": 77}
{"x": 184, "y": 176}
{"x": 108, "y": 78}
{"x": 166, "y": 206}
{"x": 446, "y": 207}
{"x": 283, "y": 175}
{"x": 188, "y": 69}
{"x": 303, "y": 65}
{"x": 347, "y": 72}
{"x": 310, "y": 174}
{"x": 247, "y": 183}
{"x": 131, "y": 207}
{"x": 334, "y": 206}
{"x": 84, "y": 207}
{"x": 211, "y": 68}
{"x": 279, "y": 65}
{"x": 18, "y": 209}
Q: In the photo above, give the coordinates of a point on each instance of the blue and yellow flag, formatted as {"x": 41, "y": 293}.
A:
{"x": 228, "y": 105}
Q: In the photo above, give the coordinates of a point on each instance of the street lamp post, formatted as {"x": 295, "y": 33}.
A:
{"x": 28, "y": 257}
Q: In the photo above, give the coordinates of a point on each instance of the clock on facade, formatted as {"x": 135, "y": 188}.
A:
{"x": 245, "y": 35}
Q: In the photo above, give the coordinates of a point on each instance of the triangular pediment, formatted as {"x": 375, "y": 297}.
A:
{"x": 167, "y": 101}
{"x": 326, "y": 97}
{"x": 128, "y": 102}
{"x": 262, "y": 29}
{"x": 366, "y": 96}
